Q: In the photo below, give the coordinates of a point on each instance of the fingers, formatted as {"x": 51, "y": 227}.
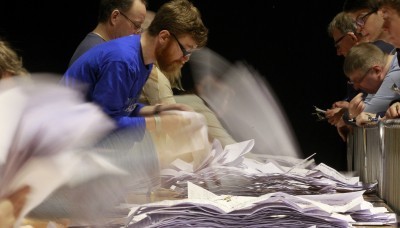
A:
{"x": 342, "y": 133}
{"x": 172, "y": 122}
{"x": 393, "y": 111}
{"x": 7, "y": 218}
{"x": 340, "y": 104}
{"x": 177, "y": 107}
{"x": 356, "y": 106}
{"x": 186, "y": 108}
{"x": 18, "y": 199}
{"x": 366, "y": 119}
{"x": 334, "y": 115}
{"x": 11, "y": 207}
{"x": 329, "y": 113}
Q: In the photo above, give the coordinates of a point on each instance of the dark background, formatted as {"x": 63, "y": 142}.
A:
{"x": 285, "y": 41}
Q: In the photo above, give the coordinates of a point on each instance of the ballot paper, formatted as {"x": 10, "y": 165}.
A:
{"x": 205, "y": 209}
{"x": 50, "y": 134}
{"x": 229, "y": 171}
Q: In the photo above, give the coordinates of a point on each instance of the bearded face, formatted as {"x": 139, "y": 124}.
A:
{"x": 167, "y": 60}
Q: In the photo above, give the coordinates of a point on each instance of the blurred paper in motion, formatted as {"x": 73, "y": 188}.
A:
{"x": 244, "y": 102}
{"x": 67, "y": 151}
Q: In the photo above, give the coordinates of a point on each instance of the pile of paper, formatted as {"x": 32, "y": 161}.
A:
{"x": 228, "y": 171}
{"x": 205, "y": 209}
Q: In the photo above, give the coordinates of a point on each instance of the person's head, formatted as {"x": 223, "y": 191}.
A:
{"x": 343, "y": 31}
{"x": 357, "y": 5}
{"x": 10, "y": 63}
{"x": 368, "y": 17}
{"x": 391, "y": 16}
{"x": 364, "y": 65}
{"x": 125, "y": 17}
{"x": 179, "y": 31}
{"x": 173, "y": 77}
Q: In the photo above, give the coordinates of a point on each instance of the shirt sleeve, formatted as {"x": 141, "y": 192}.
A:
{"x": 113, "y": 92}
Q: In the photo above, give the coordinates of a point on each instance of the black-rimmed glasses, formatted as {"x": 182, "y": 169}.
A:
{"x": 360, "y": 21}
{"x": 358, "y": 81}
{"x": 338, "y": 40}
{"x": 184, "y": 51}
{"x": 136, "y": 26}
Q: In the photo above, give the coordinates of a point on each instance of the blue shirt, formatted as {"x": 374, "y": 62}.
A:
{"x": 113, "y": 74}
{"x": 380, "y": 101}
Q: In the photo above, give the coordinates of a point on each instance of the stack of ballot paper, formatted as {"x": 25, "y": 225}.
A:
{"x": 228, "y": 171}
{"x": 205, "y": 209}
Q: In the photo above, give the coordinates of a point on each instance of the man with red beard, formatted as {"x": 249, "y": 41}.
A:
{"x": 114, "y": 73}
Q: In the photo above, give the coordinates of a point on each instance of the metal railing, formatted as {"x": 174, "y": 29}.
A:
{"x": 373, "y": 153}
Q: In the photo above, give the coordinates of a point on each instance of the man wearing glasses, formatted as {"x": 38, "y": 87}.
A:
{"x": 373, "y": 71}
{"x": 366, "y": 29}
{"x": 116, "y": 19}
{"x": 114, "y": 72}
{"x": 344, "y": 33}
{"x": 369, "y": 20}
{"x": 391, "y": 16}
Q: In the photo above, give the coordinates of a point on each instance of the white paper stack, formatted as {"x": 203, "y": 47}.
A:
{"x": 205, "y": 209}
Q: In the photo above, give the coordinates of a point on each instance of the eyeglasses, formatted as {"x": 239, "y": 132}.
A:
{"x": 184, "y": 51}
{"x": 137, "y": 27}
{"x": 360, "y": 21}
{"x": 338, "y": 40}
{"x": 358, "y": 81}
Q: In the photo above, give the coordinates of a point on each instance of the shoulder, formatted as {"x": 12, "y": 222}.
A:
{"x": 384, "y": 46}
{"x": 123, "y": 46}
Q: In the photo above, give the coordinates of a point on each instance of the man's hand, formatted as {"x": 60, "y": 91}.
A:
{"x": 343, "y": 129}
{"x": 365, "y": 118}
{"x": 156, "y": 109}
{"x": 393, "y": 111}
{"x": 334, "y": 115}
{"x": 11, "y": 207}
{"x": 356, "y": 106}
{"x": 340, "y": 104}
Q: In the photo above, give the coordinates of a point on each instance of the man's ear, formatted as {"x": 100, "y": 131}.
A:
{"x": 353, "y": 36}
{"x": 377, "y": 68}
{"x": 164, "y": 36}
{"x": 114, "y": 17}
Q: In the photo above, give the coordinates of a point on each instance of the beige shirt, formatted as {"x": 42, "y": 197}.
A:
{"x": 158, "y": 90}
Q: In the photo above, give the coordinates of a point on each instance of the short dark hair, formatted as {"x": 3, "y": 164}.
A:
{"x": 180, "y": 17}
{"x": 106, "y": 7}
{"x": 342, "y": 22}
{"x": 355, "y": 5}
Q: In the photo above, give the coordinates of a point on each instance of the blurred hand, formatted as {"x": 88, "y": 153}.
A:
{"x": 7, "y": 218}
{"x": 181, "y": 135}
{"x": 152, "y": 109}
{"x": 393, "y": 111}
{"x": 18, "y": 199}
{"x": 343, "y": 129}
{"x": 11, "y": 206}
{"x": 364, "y": 118}
{"x": 356, "y": 106}
{"x": 334, "y": 115}
{"x": 176, "y": 106}
{"x": 340, "y": 104}
{"x": 172, "y": 122}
